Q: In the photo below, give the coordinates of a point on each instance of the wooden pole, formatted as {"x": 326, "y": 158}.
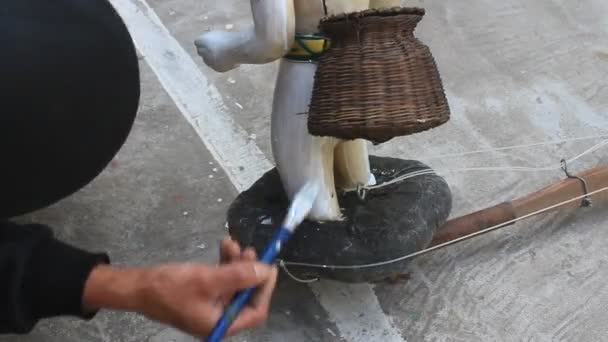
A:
{"x": 596, "y": 178}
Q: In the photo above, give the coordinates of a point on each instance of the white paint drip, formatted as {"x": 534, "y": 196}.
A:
{"x": 354, "y": 309}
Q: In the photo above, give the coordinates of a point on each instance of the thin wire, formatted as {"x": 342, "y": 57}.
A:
{"x": 299, "y": 280}
{"x": 445, "y": 244}
{"x": 400, "y": 179}
{"x": 505, "y": 148}
{"x": 490, "y": 168}
{"x": 284, "y": 263}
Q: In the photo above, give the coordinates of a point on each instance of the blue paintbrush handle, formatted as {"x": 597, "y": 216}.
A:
{"x": 241, "y": 298}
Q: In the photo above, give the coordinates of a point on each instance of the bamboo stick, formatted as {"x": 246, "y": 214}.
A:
{"x": 596, "y": 178}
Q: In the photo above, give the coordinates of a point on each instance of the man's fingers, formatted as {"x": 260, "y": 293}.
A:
{"x": 255, "y": 314}
{"x": 229, "y": 251}
{"x": 248, "y": 318}
{"x": 201, "y": 321}
{"x": 263, "y": 296}
{"x": 249, "y": 254}
{"x": 240, "y": 275}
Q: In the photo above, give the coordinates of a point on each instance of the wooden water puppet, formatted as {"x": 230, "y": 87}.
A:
{"x": 351, "y": 73}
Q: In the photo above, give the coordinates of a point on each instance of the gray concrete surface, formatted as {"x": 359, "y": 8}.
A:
{"x": 516, "y": 72}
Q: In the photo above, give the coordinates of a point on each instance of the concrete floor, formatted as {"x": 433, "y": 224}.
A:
{"x": 516, "y": 72}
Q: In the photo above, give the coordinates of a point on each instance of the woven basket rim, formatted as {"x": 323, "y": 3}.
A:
{"x": 374, "y": 12}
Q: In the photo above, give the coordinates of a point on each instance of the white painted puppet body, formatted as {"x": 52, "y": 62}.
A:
{"x": 299, "y": 156}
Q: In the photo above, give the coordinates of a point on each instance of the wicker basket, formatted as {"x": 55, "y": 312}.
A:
{"x": 376, "y": 81}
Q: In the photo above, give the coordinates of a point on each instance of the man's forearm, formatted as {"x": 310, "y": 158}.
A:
{"x": 114, "y": 288}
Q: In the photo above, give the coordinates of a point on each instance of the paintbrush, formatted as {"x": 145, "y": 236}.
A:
{"x": 299, "y": 209}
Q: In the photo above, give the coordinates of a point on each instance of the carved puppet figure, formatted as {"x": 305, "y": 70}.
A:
{"x": 299, "y": 156}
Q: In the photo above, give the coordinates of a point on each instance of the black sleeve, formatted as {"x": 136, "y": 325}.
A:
{"x": 40, "y": 277}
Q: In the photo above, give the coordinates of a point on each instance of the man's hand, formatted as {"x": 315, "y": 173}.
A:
{"x": 189, "y": 297}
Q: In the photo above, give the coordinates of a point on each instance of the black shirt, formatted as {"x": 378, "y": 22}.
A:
{"x": 41, "y": 277}
{"x": 69, "y": 89}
